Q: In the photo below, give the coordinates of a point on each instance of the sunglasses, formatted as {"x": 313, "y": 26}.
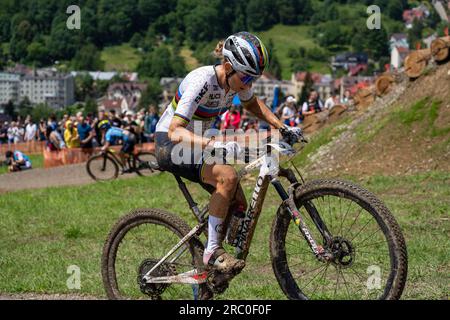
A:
{"x": 246, "y": 79}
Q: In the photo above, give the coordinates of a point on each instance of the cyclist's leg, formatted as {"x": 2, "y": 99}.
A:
{"x": 225, "y": 181}
{"x": 125, "y": 153}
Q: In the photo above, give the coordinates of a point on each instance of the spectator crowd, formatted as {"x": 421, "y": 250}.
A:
{"x": 82, "y": 130}
{"x": 76, "y": 131}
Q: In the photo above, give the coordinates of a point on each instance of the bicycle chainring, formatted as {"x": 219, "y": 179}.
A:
{"x": 154, "y": 290}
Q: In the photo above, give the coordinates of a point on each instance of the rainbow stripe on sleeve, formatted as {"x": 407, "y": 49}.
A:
{"x": 203, "y": 113}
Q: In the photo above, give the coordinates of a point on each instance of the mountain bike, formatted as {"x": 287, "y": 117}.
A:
{"x": 104, "y": 166}
{"x": 330, "y": 239}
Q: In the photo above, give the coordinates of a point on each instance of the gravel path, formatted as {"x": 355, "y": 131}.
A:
{"x": 71, "y": 175}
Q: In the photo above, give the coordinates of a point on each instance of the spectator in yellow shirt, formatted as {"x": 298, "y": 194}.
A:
{"x": 71, "y": 135}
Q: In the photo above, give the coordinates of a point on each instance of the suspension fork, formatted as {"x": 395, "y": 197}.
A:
{"x": 309, "y": 206}
{"x": 289, "y": 205}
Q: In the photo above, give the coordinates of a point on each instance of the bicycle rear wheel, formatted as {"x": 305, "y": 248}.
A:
{"x": 146, "y": 163}
{"x": 136, "y": 243}
{"x": 102, "y": 168}
{"x": 370, "y": 252}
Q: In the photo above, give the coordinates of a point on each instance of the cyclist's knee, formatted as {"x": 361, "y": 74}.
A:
{"x": 227, "y": 179}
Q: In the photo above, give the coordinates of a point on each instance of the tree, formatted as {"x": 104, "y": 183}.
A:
{"x": 377, "y": 43}
{"x": 10, "y": 109}
{"x": 84, "y": 87}
{"x": 395, "y": 10}
{"x": 88, "y": 58}
{"x": 41, "y": 111}
{"x": 38, "y": 54}
{"x": 3, "y": 59}
{"x": 63, "y": 44}
{"x": 137, "y": 40}
{"x": 415, "y": 33}
{"x": 25, "y": 108}
{"x": 90, "y": 106}
{"x": 261, "y": 14}
{"x": 307, "y": 87}
{"x": 201, "y": 23}
{"x": 152, "y": 95}
{"x": 274, "y": 64}
{"x": 161, "y": 63}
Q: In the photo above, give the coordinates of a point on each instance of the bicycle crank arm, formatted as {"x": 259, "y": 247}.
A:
{"x": 190, "y": 277}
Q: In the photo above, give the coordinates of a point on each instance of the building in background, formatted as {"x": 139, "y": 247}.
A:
{"x": 57, "y": 90}
{"x": 266, "y": 84}
{"x": 350, "y": 61}
{"x": 107, "y": 76}
{"x": 123, "y": 96}
{"x": 323, "y": 83}
{"x": 9, "y": 87}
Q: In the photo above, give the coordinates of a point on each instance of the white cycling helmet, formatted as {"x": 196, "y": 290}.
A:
{"x": 246, "y": 53}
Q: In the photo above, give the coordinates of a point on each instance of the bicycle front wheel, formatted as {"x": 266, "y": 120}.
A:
{"x": 134, "y": 246}
{"x": 102, "y": 168}
{"x": 369, "y": 252}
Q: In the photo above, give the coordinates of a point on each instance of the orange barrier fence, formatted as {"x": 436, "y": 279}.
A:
{"x": 28, "y": 148}
{"x": 77, "y": 155}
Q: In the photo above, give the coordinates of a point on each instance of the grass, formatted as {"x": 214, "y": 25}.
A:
{"x": 37, "y": 161}
{"x": 292, "y": 37}
{"x": 45, "y": 231}
{"x": 190, "y": 61}
{"x": 120, "y": 58}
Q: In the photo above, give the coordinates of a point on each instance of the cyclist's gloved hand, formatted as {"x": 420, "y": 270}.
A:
{"x": 230, "y": 147}
{"x": 291, "y": 135}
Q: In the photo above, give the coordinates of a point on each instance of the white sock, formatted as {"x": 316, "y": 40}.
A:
{"x": 215, "y": 226}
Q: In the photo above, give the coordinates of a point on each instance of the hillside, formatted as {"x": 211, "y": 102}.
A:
{"x": 406, "y": 132}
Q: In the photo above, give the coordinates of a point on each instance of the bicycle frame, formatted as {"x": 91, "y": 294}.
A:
{"x": 269, "y": 172}
{"x": 112, "y": 153}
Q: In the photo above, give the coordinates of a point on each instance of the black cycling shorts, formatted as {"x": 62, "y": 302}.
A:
{"x": 191, "y": 171}
{"x": 128, "y": 145}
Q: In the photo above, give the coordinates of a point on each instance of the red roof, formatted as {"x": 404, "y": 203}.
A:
{"x": 301, "y": 76}
{"x": 410, "y": 15}
{"x": 112, "y": 104}
{"x": 127, "y": 86}
{"x": 353, "y": 71}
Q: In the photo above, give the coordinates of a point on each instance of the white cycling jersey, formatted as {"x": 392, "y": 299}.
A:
{"x": 199, "y": 100}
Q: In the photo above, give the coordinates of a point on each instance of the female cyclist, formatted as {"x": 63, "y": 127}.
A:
{"x": 204, "y": 94}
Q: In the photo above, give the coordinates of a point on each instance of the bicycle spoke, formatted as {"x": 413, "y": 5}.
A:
{"x": 304, "y": 274}
{"x": 309, "y": 282}
{"x": 345, "y": 216}
{"x": 368, "y": 237}
{"x": 337, "y": 282}
{"x": 345, "y": 283}
{"x": 354, "y": 221}
{"x": 361, "y": 231}
{"x": 321, "y": 278}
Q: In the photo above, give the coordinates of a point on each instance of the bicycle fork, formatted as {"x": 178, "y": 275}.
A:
{"x": 290, "y": 206}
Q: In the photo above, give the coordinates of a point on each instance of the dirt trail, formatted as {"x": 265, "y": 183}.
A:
{"x": 390, "y": 148}
{"x": 71, "y": 175}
